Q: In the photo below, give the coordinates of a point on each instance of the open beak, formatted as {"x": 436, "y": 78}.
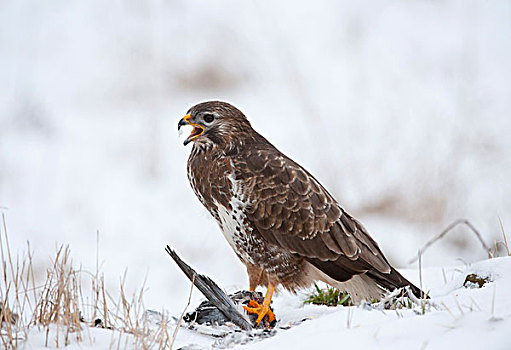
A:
{"x": 196, "y": 131}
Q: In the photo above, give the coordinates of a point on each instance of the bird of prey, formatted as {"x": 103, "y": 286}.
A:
{"x": 279, "y": 220}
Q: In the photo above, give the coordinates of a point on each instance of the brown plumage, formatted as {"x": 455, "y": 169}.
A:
{"x": 281, "y": 222}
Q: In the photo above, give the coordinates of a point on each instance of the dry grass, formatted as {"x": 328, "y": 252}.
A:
{"x": 58, "y": 303}
{"x": 60, "y": 308}
{"x": 176, "y": 330}
{"x": 504, "y": 236}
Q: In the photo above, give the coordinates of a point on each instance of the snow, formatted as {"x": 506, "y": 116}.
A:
{"x": 465, "y": 319}
{"x": 458, "y": 317}
{"x": 401, "y": 109}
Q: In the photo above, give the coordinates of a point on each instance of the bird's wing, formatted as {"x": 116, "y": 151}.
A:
{"x": 291, "y": 209}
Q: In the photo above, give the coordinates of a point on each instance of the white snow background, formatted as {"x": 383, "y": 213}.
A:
{"x": 401, "y": 109}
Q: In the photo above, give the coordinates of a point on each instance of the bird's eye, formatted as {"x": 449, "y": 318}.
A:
{"x": 208, "y": 118}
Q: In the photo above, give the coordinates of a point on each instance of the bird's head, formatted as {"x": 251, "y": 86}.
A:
{"x": 214, "y": 122}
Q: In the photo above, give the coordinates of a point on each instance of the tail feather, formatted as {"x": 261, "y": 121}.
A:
{"x": 394, "y": 280}
{"x": 343, "y": 270}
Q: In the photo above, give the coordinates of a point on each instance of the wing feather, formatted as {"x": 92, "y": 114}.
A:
{"x": 290, "y": 208}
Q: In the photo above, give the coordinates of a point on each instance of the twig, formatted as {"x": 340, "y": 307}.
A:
{"x": 446, "y": 230}
{"x": 174, "y": 335}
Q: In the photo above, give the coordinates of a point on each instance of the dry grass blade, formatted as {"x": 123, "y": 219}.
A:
{"x": 505, "y": 238}
{"x": 493, "y": 299}
{"x": 59, "y": 302}
{"x": 176, "y": 330}
{"x": 13, "y": 286}
{"x": 55, "y": 307}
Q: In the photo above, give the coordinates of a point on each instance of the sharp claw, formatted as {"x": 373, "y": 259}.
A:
{"x": 261, "y": 311}
{"x": 253, "y": 303}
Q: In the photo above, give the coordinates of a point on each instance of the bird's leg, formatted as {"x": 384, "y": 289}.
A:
{"x": 255, "y": 278}
{"x": 262, "y": 310}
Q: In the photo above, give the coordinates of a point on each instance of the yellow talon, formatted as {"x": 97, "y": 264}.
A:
{"x": 254, "y": 307}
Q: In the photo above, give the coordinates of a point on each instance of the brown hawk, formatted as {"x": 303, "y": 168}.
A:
{"x": 281, "y": 222}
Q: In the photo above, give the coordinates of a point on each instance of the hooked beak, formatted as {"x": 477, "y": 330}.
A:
{"x": 196, "y": 132}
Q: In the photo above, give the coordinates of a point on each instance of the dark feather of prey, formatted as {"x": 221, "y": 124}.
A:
{"x": 212, "y": 292}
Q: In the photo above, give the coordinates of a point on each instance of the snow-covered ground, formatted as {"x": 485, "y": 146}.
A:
{"x": 466, "y": 318}
{"x": 456, "y": 317}
{"x": 401, "y": 109}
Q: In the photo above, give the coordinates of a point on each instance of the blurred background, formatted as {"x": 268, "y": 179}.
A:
{"x": 401, "y": 109}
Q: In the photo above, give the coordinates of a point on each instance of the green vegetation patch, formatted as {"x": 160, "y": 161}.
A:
{"x": 329, "y": 296}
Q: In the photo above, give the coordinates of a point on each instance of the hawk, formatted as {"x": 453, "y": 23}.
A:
{"x": 279, "y": 220}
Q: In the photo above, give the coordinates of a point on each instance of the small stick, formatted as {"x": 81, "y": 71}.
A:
{"x": 449, "y": 228}
{"x": 178, "y": 325}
